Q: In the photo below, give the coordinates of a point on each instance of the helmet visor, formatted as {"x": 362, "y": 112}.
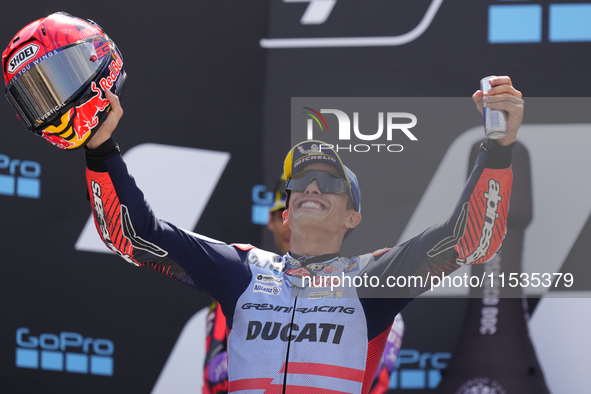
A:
{"x": 45, "y": 87}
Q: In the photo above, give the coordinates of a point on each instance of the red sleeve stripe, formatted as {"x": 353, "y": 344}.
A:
{"x": 375, "y": 349}
{"x": 265, "y": 384}
{"x": 219, "y": 330}
{"x": 249, "y": 384}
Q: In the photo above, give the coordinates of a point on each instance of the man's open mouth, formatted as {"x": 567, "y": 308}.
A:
{"x": 311, "y": 205}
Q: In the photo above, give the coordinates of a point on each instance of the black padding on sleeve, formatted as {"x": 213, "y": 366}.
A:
{"x": 499, "y": 156}
{"x": 95, "y": 157}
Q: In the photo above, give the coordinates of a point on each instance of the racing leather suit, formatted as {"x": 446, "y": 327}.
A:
{"x": 288, "y": 331}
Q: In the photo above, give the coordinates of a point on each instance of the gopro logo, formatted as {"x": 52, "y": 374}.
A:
{"x": 53, "y": 352}
{"x": 22, "y": 179}
{"x": 416, "y": 370}
{"x": 262, "y": 200}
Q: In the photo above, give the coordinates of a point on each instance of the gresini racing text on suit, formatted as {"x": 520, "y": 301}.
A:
{"x": 285, "y": 335}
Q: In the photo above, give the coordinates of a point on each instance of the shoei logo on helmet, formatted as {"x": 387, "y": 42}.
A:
{"x": 21, "y": 57}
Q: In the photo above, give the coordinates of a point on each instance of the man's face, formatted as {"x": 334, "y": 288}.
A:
{"x": 322, "y": 211}
{"x": 281, "y": 233}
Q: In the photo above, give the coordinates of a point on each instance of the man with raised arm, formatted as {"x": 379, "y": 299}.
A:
{"x": 289, "y": 331}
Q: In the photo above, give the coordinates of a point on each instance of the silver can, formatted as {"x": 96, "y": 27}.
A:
{"x": 495, "y": 121}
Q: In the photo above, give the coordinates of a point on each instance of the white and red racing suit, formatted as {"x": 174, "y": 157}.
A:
{"x": 286, "y": 335}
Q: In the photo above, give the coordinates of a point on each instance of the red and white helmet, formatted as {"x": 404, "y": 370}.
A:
{"x": 56, "y": 71}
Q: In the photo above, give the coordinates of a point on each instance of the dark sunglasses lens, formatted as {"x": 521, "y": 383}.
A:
{"x": 327, "y": 182}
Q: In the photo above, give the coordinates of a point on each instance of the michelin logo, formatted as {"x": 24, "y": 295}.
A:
{"x": 269, "y": 279}
{"x": 313, "y": 149}
{"x": 272, "y": 290}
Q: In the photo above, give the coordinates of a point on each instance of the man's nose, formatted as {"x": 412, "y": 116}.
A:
{"x": 313, "y": 188}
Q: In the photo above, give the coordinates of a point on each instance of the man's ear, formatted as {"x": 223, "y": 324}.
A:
{"x": 286, "y": 217}
{"x": 353, "y": 219}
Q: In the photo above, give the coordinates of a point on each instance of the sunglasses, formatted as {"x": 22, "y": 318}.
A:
{"x": 327, "y": 182}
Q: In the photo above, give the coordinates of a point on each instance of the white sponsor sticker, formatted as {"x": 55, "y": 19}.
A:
{"x": 269, "y": 279}
{"x": 325, "y": 294}
{"x": 272, "y": 290}
{"x": 21, "y": 57}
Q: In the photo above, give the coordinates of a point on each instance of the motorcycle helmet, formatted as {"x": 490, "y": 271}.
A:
{"x": 56, "y": 71}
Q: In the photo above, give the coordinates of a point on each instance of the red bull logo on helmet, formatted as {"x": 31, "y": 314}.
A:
{"x": 115, "y": 68}
{"x": 85, "y": 118}
{"x": 78, "y": 121}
